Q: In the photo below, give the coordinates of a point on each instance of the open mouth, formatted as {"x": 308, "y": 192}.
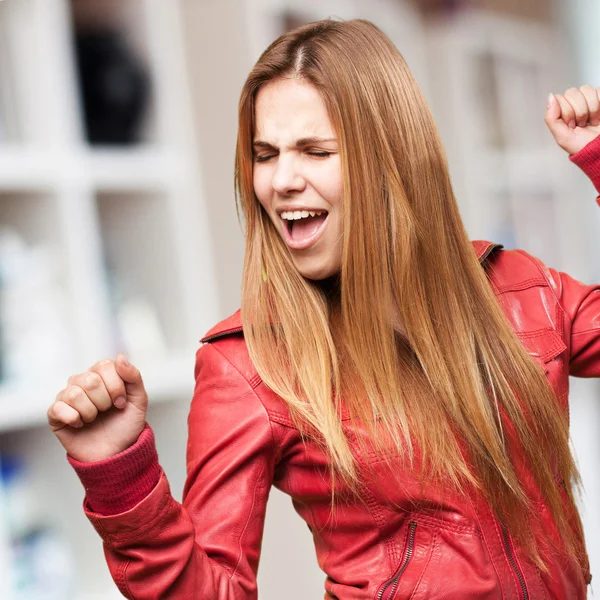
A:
{"x": 303, "y": 227}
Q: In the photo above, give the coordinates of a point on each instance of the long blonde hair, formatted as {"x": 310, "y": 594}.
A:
{"x": 458, "y": 378}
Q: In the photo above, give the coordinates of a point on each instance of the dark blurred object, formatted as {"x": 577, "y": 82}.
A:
{"x": 114, "y": 87}
{"x": 541, "y": 10}
{"x": 441, "y": 6}
{"x": 292, "y": 20}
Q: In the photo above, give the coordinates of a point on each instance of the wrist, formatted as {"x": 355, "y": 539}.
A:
{"x": 116, "y": 484}
{"x": 588, "y": 160}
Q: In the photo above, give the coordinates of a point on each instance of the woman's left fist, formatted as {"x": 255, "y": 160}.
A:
{"x": 574, "y": 117}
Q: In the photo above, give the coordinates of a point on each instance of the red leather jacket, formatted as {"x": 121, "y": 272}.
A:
{"x": 242, "y": 441}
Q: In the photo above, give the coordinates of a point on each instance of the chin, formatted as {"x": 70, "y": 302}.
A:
{"x": 316, "y": 272}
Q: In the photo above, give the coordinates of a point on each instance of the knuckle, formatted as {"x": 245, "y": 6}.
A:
{"x": 73, "y": 393}
{"x": 92, "y": 381}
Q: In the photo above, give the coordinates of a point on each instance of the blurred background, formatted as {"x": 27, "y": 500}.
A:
{"x": 118, "y": 228}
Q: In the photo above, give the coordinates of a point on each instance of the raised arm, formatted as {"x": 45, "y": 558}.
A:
{"x": 208, "y": 547}
{"x": 574, "y": 120}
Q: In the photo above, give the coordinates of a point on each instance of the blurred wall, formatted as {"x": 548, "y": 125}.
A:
{"x": 580, "y": 19}
{"x": 218, "y": 47}
{"x": 219, "y": 31}
{"x": 532, "y": 9}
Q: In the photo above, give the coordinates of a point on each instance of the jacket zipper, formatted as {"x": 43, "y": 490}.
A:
{"x": 513, "y": 563}
{"x": 392, "y": 584}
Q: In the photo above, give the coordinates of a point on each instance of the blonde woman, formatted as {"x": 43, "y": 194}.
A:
{"x": 406, "y": 387}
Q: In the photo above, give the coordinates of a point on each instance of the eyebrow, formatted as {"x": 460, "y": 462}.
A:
{"x": 306, "y": 141}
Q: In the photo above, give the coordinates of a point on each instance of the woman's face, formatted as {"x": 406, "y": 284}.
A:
{"x": 297, "y": 174}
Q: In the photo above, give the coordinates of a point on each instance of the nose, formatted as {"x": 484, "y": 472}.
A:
{"x": 287, "y": 178}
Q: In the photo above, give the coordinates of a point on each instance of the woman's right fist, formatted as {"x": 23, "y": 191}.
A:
{"x": 101, "y": 412}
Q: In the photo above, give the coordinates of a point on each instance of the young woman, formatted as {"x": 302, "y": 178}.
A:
{"x": 406, "y": 387}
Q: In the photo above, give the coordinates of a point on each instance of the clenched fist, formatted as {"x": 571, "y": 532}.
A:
{"x": 574, "y": 117}
{"x": 101, "y": 412}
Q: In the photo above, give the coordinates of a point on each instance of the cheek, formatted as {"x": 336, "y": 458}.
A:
{"x": 331, "y": 185}
{"x": 261, "y": 187}
{"x": 336, "y": 196}
{"x": 263, "y": 193}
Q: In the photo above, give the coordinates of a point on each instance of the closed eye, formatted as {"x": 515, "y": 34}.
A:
{"x": 260, "y": 159}
{"x": 317, "y": 153}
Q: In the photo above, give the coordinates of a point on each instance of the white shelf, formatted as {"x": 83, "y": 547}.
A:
{"x": 136, "y": 168}
{"x": 25, "y": 406}
{"x": 27, "y": 168}
{"x": 133, "y": 169}
{"x": 126, "y": 224}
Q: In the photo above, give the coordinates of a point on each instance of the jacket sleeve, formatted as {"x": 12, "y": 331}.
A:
{"x": 580, "y": 302}
{"x": 588, "y": 160}
{"x": 581, "y": 307}
{"x": 208, "y": 547}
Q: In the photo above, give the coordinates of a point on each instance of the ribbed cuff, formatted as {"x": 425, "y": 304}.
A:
{"x": 588, "y": 160}
{"x": 117, "y": 484}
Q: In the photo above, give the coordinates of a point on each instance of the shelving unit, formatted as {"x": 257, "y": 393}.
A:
{"x": 123, "y": 234}
{"x": 490, "y": 75}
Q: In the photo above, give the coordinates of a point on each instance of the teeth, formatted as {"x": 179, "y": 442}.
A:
{"x": 300, "y": 214}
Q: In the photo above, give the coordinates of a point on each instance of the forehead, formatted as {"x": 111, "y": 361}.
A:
{"x": 287, "y": 108}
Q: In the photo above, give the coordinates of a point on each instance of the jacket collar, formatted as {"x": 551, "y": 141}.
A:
{"x": 233, "y": 325}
